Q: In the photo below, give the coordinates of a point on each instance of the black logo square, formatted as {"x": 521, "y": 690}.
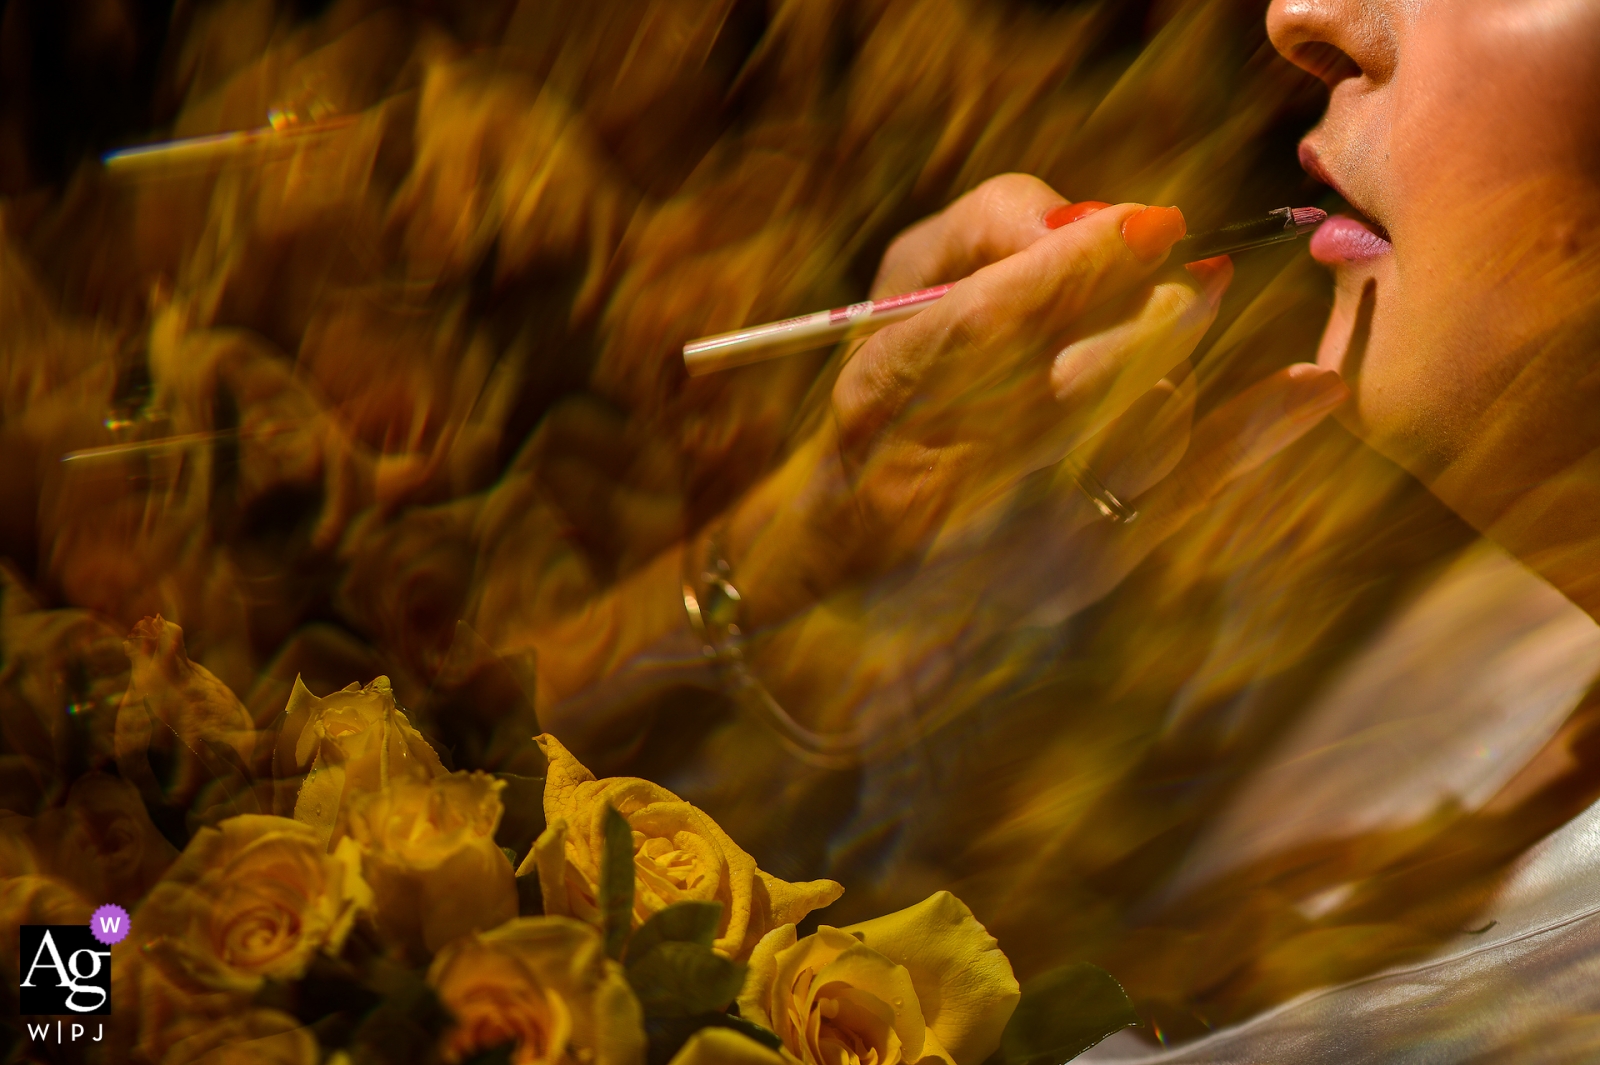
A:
{"x": 65, "y": 971}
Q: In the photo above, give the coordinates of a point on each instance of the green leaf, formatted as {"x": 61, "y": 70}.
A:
{"x": 750, "y": 1029}
{"x": 668, "y": 1034}
{"x": 682, "y": 979}
{"x": 682, "y": 922}
{"x": 616, "y": 883}
{"x": 1064, "y": 1012}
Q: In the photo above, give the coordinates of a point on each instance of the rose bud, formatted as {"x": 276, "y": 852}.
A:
{"x": 428, "y": 851}
{"x": 349, "y": 743}
{"x": 178, "y": 711}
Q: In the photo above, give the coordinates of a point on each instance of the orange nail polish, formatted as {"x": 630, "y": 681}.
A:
{"x": 1152, "y": 231}
{"x": 1069, "y": 213}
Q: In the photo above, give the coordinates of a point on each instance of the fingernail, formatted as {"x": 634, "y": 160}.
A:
{"x": 1069, "y": 213}
{"x": 1214, "y": 275}
{"x": 1314, "y": 394}
{"x": 1152, "y": 231}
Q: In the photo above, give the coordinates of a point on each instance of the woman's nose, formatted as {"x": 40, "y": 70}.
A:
{"x": 1337, "y": 39}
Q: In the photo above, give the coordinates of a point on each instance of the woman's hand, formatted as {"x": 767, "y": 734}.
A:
{"x": 1050, "y": 338}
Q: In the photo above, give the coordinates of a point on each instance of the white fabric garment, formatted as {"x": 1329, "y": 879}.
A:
{"x": 1446, "y": 704}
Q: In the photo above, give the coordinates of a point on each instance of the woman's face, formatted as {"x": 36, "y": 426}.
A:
{"x": 1465, "y": 134}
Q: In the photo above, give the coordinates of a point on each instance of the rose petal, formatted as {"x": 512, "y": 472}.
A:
{"x": 318, "y": 802}
{"x": 549, "y": 856}
{"x": 962, "y": 978}
{"x": 777, "y": 902}
{"x": 755, "y": 1000}
{"x": 302, "y": 704}
{"x": 472, "y": 889}
{"x": 563, "y": 774}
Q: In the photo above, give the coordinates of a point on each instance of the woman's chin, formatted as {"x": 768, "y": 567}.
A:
{"x": 1388, "y": 410}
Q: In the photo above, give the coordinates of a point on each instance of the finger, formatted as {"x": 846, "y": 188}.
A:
{"x": 1100, "y": 375}
{"x": 1230, "y": 441}
{"x": 1005, "y": 314}
{"x": 1142, "y": 446}
{"x": 998, "y": 218}
{"x": 1234, "y": 439}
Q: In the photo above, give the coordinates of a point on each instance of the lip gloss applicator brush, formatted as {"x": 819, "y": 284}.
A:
{"x": 822, "y": 329}
{"x": 1284, "y": 224}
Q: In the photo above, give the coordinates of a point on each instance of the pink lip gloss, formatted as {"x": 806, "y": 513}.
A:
{"x": 1343, "y": 240}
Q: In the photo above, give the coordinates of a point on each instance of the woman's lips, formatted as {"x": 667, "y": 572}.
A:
{"x": 1342, "y": 241}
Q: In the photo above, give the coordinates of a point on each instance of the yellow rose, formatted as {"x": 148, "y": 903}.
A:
{"x": 253, "y": 1037}
{"x": 178, "y": 708}
{"x": 925, "y": 984}
{"x": 428, "y": 851}
{"x": 254, "y": 898}
{"x": 353, "y": 741}
{"x": 543, "y": 983}
{"x": 679, "y": 854}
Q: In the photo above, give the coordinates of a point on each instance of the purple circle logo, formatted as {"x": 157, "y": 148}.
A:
{"x": 109, "y": 924}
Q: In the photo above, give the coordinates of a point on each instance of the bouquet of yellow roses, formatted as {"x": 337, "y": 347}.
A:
{"x": 343, "y": 894}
